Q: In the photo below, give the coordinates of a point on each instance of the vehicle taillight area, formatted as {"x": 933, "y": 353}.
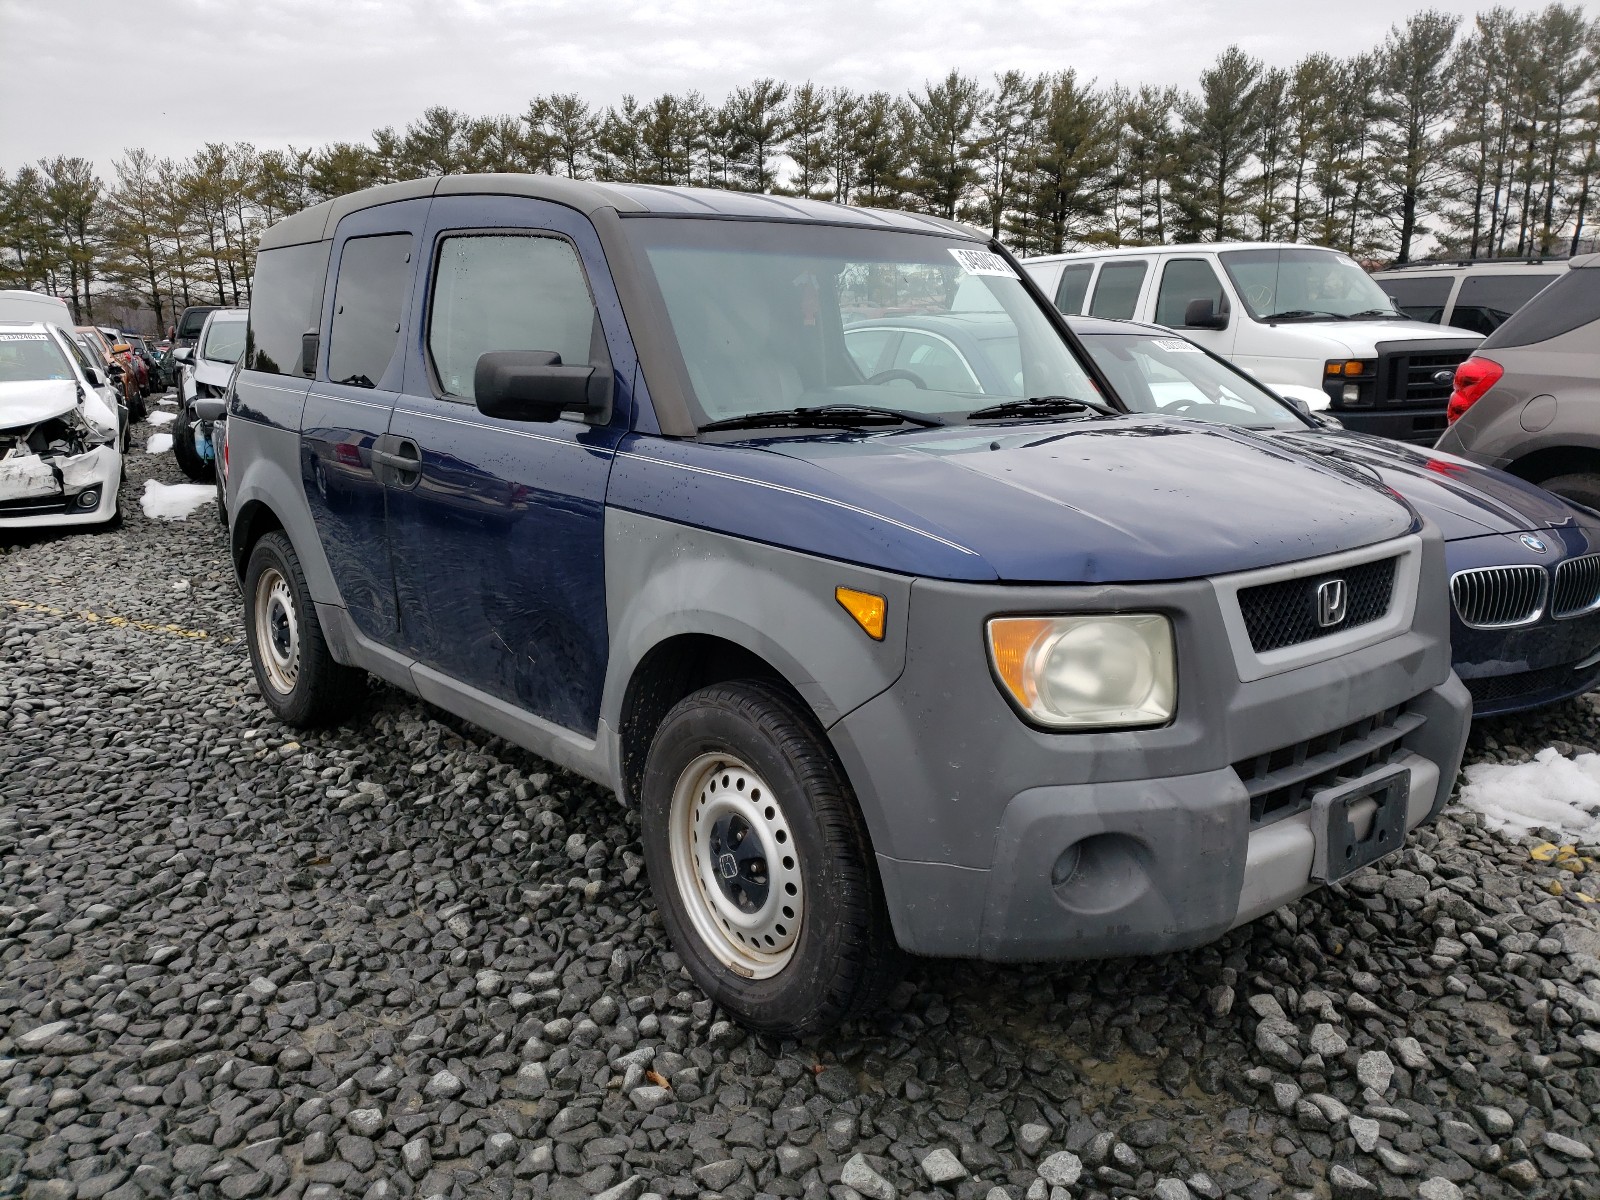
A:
{"x": 1473, "y": 378}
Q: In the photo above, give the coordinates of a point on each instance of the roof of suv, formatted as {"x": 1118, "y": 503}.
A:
{"x": 318, "y": 222}
{"x": 1184, "y": 247}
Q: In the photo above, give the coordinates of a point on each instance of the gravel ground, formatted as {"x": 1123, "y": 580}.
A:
{"x": 405, "y": 959}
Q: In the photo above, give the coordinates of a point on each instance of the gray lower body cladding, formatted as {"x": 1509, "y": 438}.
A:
{"x": 999, "y": 841}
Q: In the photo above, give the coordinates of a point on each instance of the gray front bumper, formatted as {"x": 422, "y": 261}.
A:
{"x": 972, "y": 810}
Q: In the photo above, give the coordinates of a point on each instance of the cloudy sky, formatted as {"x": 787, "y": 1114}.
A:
{"x": 79, "y": 80}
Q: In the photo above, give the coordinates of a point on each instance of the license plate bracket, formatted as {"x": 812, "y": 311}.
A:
{"x": 1334, "y": 813}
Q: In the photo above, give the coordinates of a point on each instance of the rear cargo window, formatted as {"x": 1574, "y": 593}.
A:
{"x": 1072, "y": 289}
{"x": 1567, "y": 304}
{"x": 1486, "y": 302}
{"x": 1116, "y": 292}
{"x": 1419, "y": 299}
{"x": 368, "y": 301}
{"x": 285, "y": 304}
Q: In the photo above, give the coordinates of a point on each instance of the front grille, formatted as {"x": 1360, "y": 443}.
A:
{"x": 1499, "y": 597}
{"x": 1285, "y": 613}
{"x": 1577, "y": 586}
{"x": 33, "y": 506}
{"x": 1282, "y": 781}
{"x": 1411, "y": 376}
{"x": 1490, "y": 689}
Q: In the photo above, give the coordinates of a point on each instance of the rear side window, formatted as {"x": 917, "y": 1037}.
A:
{"x": 1183, "y": 280}
{"x": 1419, "y": 299}
{"x": 1072, "y": 289}
{"x": 191, "y": 323}
{"x": 1567, "y": 304}
{"x": 1116, "y": 292}
{"x": 367, "y": 302}
{"x": 1485, "y": 302}
{"x": 508, "y": 292}
{"x": 285, "y": 304}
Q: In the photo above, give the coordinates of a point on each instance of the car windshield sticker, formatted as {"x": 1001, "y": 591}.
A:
{"x": 1177, "y": 346}
{"x": 24, "y": 337}
{"x": 983, "y": 262}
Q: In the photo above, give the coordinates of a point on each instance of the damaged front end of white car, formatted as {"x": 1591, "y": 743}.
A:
{"x": 59, "y": 457}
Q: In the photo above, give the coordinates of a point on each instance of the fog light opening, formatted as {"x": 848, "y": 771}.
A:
{"x": 89, "y": 499}
{"x": 1066, "y": 865}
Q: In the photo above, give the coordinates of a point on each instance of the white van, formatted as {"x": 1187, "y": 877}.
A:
{"x": 1306, "y": 321}
{"x": 34, "y": 306}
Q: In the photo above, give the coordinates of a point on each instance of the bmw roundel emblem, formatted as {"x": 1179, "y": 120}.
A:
{"x": 1534, "y": 544}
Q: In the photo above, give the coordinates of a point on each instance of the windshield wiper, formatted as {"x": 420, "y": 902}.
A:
{"x": 824, "y": 416}
{"x": 1290, "y": 314}
{"x": 1040, "y": 406}
{"x": 1378, "y": 312}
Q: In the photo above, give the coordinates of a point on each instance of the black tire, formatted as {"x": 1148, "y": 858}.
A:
{"x": 318, "y": 690}
{"x": 843, "y": 959}
{"x": 201, "y": 470}
{"x": 1581, "y": 487}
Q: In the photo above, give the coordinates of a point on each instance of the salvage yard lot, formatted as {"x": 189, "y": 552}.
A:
{"x": 403, "y": 958}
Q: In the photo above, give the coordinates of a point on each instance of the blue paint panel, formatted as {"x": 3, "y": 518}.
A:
{"x": 498, "y": 546}
{"x": 341, "y": 427}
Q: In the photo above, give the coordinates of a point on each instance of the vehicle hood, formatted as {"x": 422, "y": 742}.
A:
{"x": 1462, "y": 498}
{"x": 216, "y": 373}
{"x": 34, "y": 400}
{"x": 1101, "y": 501}
{"x": 1360, "y": 338}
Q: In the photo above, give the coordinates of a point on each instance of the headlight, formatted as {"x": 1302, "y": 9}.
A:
{"x": 1088, "y": 672}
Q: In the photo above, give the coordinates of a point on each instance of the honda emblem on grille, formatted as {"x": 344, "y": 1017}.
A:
{"x": 1331, "y": 597}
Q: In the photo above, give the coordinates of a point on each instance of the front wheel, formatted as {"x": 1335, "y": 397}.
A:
{"x": 187, "y": 453}
{"x": 297, "y": 675}
{"x": 761, "y": 864}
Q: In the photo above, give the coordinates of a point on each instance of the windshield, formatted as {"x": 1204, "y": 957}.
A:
{"x": 1172, "y": 375}
{"x": 1292, "y": 282}
{"x": 31, "y": 356}
{"x": 224, "y": 341}
{"x": 772, "y": 317}
{"x": 190, "y": 323}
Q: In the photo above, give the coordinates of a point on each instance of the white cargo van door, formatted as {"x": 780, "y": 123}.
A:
{"x": 1190, "y": 297}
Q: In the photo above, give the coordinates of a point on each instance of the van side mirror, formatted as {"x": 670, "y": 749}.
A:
{"x": 92, "y": 374}
{"x": 1202, "y": 314}
{"x": 310, "y": 344}
{"x": 183, "y": 354}
{"x": 535, "y": 385}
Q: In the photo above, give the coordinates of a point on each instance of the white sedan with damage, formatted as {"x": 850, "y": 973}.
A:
{"x": 60, "y": 455}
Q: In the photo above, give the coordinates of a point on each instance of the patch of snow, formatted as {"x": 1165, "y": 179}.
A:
{"x": 174, "y": 501}
{"x": 1551, "y": 792}
{"x": 159, "y": 443}
{"x": 162, "y": 418}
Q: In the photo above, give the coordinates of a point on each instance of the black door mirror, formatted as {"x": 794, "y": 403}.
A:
{"x": 94, "y": 377}
{"x": 1202, "y": 314}
{"x": 309, "y": 345}
{"x": 535, "y": 385}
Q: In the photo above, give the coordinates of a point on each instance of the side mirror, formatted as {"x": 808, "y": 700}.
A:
{"x": 94, "y": 377}
{"x": 210, "y": 409}
{"x": 1202, "y": 314}
{"x": 534, "y": 385}
{"x": 1299, "y": 405}
{"x": 183, "y": 354}
{"x": 310, "y": 345}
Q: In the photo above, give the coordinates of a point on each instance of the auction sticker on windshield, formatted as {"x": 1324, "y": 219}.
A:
{"x": 1177, "y": 346}
{"x": 983, "y": 262}
{"x": 24, "y": 337}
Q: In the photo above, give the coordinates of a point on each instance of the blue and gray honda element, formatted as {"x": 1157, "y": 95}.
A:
{"x": 887, "y": 661}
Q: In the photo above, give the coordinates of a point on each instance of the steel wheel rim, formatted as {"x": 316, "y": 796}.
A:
{"x": 736, "y": 866}
{"x": 277, "y": 631}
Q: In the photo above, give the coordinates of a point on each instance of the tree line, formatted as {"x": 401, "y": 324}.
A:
{"x": 1479, "y": 138}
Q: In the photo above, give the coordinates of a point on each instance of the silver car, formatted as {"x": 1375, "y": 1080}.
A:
{"x": 1528, "y": 401}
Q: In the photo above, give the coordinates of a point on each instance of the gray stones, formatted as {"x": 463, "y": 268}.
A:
{"x": 941, "y": 1166}
{"x": 1565, "y": 1146}
{"x": 366, "y": 1122}
{"x": 1374, "y": 1069}
{"x": 1438, "y": 1188}
{"x": 1347, "y": 1185}
{"x": 261, "y": 989}
{"x": 444, "y": 1084}
{"x": 1061, "y": 1169}
{"x": 858, "y": 1174}
{"x": 720, "y": 1174}
{"x": 1168, "y": 1188}
{"x": 499, "y": 1148}
{"x": 58, "y": 1037}
{"x": 417, "y": 1157}
{"x": 1365, "y": 1131}
{"x": 1326, "y": 1041}
{"x": 1496, "y": 1121}
{"x": 649, "y": 1097}
{"x": 1412, "y": 1056}
{"x": 1032, "y": 1138}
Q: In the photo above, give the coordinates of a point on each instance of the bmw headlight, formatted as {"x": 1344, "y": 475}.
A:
{"x": 1100, "y": 671}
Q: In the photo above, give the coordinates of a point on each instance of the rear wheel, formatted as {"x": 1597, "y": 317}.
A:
{"x": 1581, "y": 487}
{"x": 760, "y": 862}
{"x": 297, "y": 675}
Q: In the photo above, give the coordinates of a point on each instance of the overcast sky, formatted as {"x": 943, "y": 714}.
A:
{"x": 92, "y": 77}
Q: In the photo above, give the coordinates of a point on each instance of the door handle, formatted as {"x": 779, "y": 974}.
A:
{"x": 399, "y": 462}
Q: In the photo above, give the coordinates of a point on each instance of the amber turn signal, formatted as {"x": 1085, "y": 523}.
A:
{"x": 868, "y": 610}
